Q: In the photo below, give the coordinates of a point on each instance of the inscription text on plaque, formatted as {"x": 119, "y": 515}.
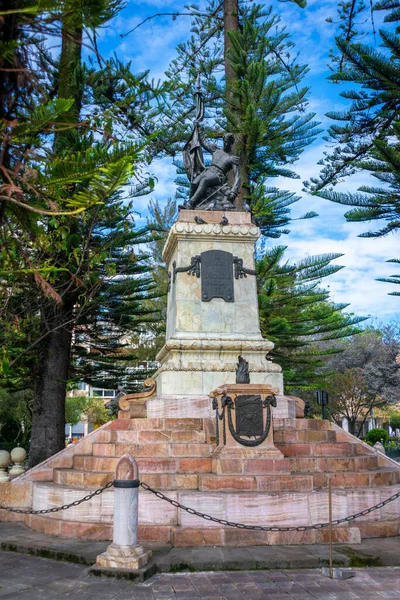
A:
{"x": 217, "y": 275}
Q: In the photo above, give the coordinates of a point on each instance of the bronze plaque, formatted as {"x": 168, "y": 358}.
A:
{"x": 217, "y": 275}
{"x": 249, "y": 416}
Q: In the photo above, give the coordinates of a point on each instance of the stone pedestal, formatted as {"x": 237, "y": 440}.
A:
{"x": 205, "y": 335}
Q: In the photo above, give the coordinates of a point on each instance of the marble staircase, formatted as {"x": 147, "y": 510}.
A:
{"x": 176, "y": 457}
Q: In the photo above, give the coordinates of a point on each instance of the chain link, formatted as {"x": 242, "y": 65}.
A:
{"x": 207, "y": 517}
{"x": 26, "y": 511}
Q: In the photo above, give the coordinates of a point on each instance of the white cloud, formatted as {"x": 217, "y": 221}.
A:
{"x": 364, "y": 258}
{"x": 364, "y": 261}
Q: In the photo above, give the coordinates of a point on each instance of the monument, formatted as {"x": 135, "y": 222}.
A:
{"x": 212, "y": 312}
{"x": 212, "y": 431}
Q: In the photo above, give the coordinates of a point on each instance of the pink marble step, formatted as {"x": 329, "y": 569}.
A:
{"x": 70, "y": 529}
{"x": 155, "y": 436}
{"x": 333, "y": 463}
{"x": 162, "y": 424}
{"x": 260, "y": 483}
{"x": 93, "y": 480}
{"x": 323, "y": 449}
{"x": 357, "y": 479}
{"x": 151, "y": 450}
{"x": 163, "y": 464}
{"x": 254, "y": 508}
{"x": 228, "y": 536}
{"x": 200, "y": 537}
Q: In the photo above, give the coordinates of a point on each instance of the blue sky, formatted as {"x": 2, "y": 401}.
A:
{"x": 152, "y": 46}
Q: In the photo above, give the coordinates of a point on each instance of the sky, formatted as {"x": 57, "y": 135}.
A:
{"x": 152, "y": 46}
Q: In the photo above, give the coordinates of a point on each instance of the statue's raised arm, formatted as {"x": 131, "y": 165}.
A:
{"x": 206, "y": 145}
{"x": 209, "y": 189}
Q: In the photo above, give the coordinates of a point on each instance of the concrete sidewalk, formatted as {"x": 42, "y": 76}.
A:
{"x": 375, "y": 552}
{"x": 25, "y": 577}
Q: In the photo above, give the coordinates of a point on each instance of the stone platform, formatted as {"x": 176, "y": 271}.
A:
{"x": 176, "y": 456}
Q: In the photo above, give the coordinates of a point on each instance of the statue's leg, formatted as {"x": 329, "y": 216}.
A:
{"x": 202, "y": 186}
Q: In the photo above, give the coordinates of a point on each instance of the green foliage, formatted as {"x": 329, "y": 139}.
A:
{"x": 15, "y": 416}
{"x": 366, "y": 376}
{"x": 265, "y": 105}
{"x": 90, "y": 260}
{"x": 377, "y": 435}
{"x": 367, "y": 134}
{"x": 30, "y": 115}
{"x": 80, "y": 407}
{"x": 159, "y": 223}
{"x": 75, "y": 406}
{"x": 96, "y": 413}
{"x": 297, "y": 315}
{"x": 395, "y": 421}
{"x": 266, "y": 110}
{"x": 74, "y": 282}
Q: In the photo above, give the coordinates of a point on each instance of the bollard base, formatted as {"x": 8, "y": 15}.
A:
{"x": 124, "y": 557}
{"x": 338, "y": 573}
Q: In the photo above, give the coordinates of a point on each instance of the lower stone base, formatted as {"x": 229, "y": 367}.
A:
{"x": 124, "y": 557}
{"x": 180, "y": 407}
{"x": 199, "y": 406}
{"x": 202, "y": 382}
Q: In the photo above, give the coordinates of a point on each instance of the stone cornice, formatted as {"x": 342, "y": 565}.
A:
{"x": 214, "y": 345}
{"x": 208, "y": 231}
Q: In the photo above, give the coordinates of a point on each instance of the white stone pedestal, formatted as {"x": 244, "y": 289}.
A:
{"x": 205, "y": 338}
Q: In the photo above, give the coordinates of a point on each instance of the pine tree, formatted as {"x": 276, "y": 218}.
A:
{"x": 92, "y": 276}
{"x": 298, "y": 316}
{"x": 159, "y": 223}
{"x": 263, "y": 105}
{"x": 367, "y": 135}
{"x": 118, "y": 310}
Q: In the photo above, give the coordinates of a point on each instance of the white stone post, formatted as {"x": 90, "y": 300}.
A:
{"x": 18, "y": 455}
{"x": 125, "y": 552}
{"x": 4, "y": 462}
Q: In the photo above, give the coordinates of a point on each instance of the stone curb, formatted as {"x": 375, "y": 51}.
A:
{"x": 385, "y": 552}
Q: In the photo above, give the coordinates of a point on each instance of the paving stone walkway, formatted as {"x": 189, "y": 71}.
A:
{"x": 31, "y": 578}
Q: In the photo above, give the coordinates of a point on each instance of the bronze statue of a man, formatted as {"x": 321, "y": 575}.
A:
{"x": 209, "y": 189}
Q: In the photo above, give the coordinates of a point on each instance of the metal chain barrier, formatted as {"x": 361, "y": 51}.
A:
{"x": 26, "y": 511}
{"x": 207, "y": 517}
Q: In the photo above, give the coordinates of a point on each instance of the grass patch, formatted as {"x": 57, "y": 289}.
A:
{"x": 178, "y": 567}
{"x": 47, "y": 553}
{"x": 357, "y": 560}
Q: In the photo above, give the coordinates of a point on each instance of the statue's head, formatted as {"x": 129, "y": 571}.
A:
{"x": 229, "y": 140}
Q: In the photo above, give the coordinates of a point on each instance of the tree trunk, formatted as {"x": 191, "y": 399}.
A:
{"x": 69, "y": 79}
{"x": 48, "y": 421}
{"x": 231, "y": 23}
{"x": 352, "y": 426}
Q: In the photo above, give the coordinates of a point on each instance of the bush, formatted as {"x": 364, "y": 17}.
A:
{"x": 395, "y": 421}
{"x": 377, "y": 435}
{"x": 391, "y": 445}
